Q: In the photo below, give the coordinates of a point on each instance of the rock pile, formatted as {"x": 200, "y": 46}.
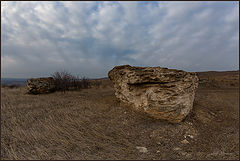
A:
{"x": 162, "y": 93}
{"x": 40, "y": 85}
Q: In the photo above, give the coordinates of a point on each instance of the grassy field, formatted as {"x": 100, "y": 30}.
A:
{"x": 90, "y": 124}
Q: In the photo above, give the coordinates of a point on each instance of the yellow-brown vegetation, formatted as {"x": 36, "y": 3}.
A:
{"x": 91, "y": 124}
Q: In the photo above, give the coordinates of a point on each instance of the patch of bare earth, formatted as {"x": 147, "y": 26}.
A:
{"x": 90, "y": 124}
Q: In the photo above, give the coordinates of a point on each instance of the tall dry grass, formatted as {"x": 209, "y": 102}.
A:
{"x": 90, "y": 124}
{"x": 74, "y": 125}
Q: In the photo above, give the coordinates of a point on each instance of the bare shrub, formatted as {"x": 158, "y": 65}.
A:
{"x": 75, "y": 83}
{"x": 85, "y": 82}
{"x": 66, "y": 81}
{"x": 80, "y": 83}
{"x": 63, "y": 80}
{"x": 95, "y": 84}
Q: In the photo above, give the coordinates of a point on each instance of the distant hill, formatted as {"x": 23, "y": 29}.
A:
{"x": 11, "y": 81}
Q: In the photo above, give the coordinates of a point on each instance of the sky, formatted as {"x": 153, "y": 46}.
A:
{"x": 90, "y": 38}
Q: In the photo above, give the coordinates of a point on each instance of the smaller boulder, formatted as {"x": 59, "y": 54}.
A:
{"x": 40, "y": 85}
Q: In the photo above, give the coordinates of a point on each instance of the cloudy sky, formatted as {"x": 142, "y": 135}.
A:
{"x": 90, "y": 38}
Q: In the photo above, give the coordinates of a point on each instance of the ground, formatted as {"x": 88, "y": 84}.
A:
{"x": 91, "y": 124}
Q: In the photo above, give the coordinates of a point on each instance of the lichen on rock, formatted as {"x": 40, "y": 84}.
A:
{"x": 162, "y": 93}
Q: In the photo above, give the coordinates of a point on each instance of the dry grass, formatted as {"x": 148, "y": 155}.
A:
{"x": 90, "y": 124}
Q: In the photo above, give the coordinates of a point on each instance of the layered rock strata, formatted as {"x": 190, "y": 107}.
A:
{"x": 162, "y": 93}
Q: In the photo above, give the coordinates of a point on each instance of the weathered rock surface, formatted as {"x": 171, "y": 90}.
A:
{"x": 162, "y": 93}
{"x": 40, "y": 85}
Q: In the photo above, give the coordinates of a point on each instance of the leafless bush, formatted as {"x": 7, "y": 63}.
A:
{"x": 76, "y": 83}
{"x": 66, "y": 81}
{"x": 96, "y": 83}
{"x": 63, "y": 80}
{"x": 85, "y": 82}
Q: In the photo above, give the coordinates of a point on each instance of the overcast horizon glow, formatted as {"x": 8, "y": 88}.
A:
{"x": 90, "y": 38}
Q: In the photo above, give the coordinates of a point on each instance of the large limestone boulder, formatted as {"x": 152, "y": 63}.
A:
{"x": 162, "y": 93}
{"x": 40, "y": 85}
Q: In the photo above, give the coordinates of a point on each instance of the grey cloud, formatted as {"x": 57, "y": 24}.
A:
{"x": 89, "y": 38}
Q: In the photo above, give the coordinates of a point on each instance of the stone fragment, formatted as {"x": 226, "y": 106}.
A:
{"x": 185, "y": 141}
{"x": 176, "y": 149}
{"x": 190, "y": 136}
{"x": 142, "y": 149}
{"x": 165, "y": 94}
{"x": 40, "y": 85}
